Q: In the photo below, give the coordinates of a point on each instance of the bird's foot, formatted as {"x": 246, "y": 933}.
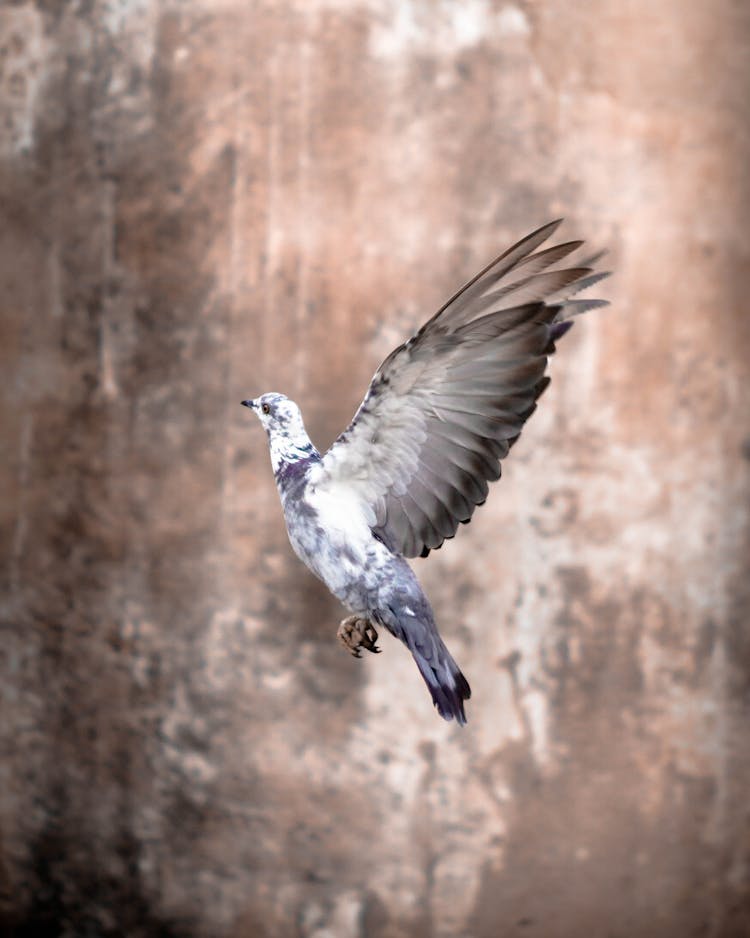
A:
{"x": 355, "y": 633}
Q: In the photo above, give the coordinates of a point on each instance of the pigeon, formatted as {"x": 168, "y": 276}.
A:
{"x": 440, "y": 414}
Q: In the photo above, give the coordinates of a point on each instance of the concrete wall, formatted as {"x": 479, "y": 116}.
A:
{"x": 201, "y": 201}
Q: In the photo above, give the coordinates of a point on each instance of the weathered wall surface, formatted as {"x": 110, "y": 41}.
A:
{"x": 201, "y": 201}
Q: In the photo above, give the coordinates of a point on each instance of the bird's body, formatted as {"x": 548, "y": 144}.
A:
{"x": 441, "y": 412}
{"x": 331, "y": 534}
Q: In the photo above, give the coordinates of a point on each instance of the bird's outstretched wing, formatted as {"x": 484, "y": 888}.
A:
{"x": 445, "y": 407}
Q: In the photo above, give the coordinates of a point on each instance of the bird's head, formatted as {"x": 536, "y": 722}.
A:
{"x": 282, "y": 421}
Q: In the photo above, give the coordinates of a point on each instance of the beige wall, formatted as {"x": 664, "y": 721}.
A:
{"x": 201, "y": 201}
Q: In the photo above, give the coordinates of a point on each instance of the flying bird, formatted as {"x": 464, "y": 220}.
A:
{"x": 440, "y": 414}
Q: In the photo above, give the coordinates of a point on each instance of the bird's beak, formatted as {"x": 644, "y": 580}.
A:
{"x": 250, "y": 404}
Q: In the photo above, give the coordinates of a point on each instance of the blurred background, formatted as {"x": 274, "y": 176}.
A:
{"x": 202, "y": 201}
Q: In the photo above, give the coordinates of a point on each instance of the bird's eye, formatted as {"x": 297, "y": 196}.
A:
{"x": 266, "y": 409}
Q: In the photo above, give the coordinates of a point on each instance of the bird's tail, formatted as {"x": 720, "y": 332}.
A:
{"x": 447, "y": 685}
{"x": 409, "y": 618}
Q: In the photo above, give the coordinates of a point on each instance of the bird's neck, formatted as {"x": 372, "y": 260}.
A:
{"x": 288, "y": 450}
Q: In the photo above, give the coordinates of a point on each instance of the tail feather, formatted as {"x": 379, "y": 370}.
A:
{"x": 447, "y": 685}
{"x": 411, "y": 620}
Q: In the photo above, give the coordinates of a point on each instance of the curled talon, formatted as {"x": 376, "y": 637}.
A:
{"x": 369, "y": 636}
{"x": 356, "y": 632}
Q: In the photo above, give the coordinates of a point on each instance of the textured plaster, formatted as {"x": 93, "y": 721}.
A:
{"x": 203, "y": 201}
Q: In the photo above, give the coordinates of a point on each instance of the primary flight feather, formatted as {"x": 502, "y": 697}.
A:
{"x": 441, "y": 412}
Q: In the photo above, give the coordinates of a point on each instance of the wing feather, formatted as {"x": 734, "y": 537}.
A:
{"x": 424, "y": 532}
{"x": 449, "y": 489}
{"x": 493, "y": 272}
{"x": 528, "y": 290}
{"x": 456, "y": 471}
{"x": 471, "y": 453}
{"x": 445, "y": 407}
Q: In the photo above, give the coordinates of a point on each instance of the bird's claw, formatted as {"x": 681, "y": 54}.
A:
{"x": 355, "y": 633}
